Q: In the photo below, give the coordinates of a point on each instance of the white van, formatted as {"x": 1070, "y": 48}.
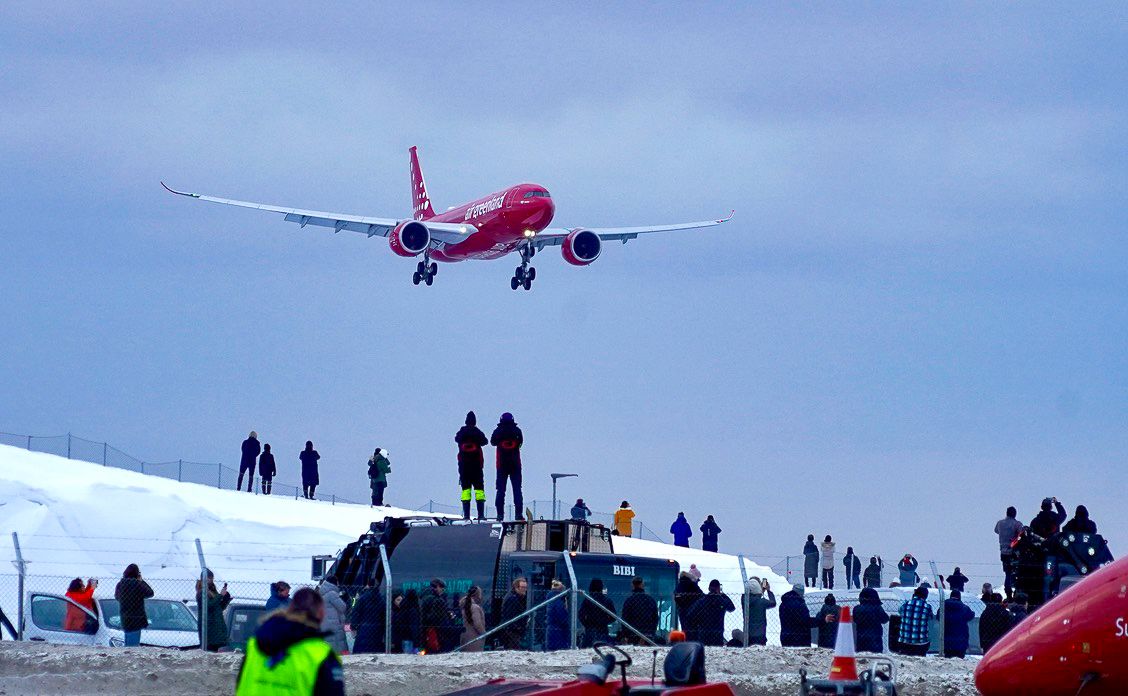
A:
{"x": 171, "y": 625}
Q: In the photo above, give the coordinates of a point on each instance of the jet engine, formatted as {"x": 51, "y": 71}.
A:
{"x": 581, "y": 247}
{"x": 410, "y": 238}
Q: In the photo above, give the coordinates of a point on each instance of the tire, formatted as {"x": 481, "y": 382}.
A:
{"x": 528, "y": 283}
{"x": 420, "y": 269}
{"x": 415, "y": 278}
{"x": 532, "y": 274}
{"x": 428, "y": 279}
{"x": 513, "y": 283}
{"x": 519, "y": 274}
{"x": 434, "y": 269}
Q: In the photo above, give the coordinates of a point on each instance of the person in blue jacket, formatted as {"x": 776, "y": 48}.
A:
{"x": 907, "y": 567}
{"x": 957, "y": 616}
{"x": 869, "y": 618}
{"x": 681, "y": 530}
{"x": 795, "y": 621}
{"x": 709, "y": 532}
{"x": 558, "y": 634}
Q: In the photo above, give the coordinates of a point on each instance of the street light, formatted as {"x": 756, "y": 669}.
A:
{"x": 554, "y": 477}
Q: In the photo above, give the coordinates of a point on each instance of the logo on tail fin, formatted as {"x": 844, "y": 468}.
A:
{"x": 421, "y": 202}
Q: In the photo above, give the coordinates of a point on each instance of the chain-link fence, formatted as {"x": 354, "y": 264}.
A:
{"x": 204, "y": 473}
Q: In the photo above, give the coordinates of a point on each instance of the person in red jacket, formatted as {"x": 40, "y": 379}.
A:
{"x": 471, "y": 465}
{"x": 81, "y": 594}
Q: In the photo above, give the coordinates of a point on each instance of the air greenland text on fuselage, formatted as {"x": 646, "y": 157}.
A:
{"x": 482, "y": 208}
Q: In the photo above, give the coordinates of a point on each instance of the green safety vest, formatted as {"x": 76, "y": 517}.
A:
{"x": 295, "y": 674}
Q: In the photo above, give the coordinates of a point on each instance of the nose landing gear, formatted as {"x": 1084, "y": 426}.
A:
{"x": 524, "y": 275}
{"x": 425, "y": 271}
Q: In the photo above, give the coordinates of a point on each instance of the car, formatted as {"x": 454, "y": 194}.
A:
{"x": 171, "y": 625}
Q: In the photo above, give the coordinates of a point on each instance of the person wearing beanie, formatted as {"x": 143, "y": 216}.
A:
{"x": 710, "y": 530}
{"x": 681, "y": 531}
{"x": 1048, "y": 522}
{"x": 686, "y": 594}
{"x": 957, "y": 617}
{"x": 580, "y": 511}
{"x": 827, "y": 548}
{"x": 760, "y": 600}
{"x": 267, "y": 469}
{"x": 853, "y": 569}
{"x": 869, "y": 617}
{"x": 695, "y": 572}
{"x": 810, "y": 562}
{"x": 378, "y": 469}
{"x": 250, "y": 452}
{"x": 471, "y": 466}
{"x": 508, "y": 439}
{"x": 795, "y": 622}
{"x": 623, "y": 517}
{"x": 706, "y": 618}
{"x": 827, "y": 622}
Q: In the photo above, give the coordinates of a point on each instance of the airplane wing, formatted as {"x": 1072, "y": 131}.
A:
{"x": 554, "y": 236}
{"x": 442, "y": 233}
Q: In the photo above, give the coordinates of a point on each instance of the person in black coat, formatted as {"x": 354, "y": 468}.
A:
{"x": 1048, "y": 521}
{"x": 869, "y": 618}
{"x": 957, "y": 581}
{"x": 508, "y": 438}
{"x": 310, "y": 479}
{"x": 640, "y": 610}
{"x": 686, "y": 594}
{"x": 853, "y": 569}
{"x": 511, "y": 607}
{"x": 471, "y": 465}
{"x": 709, "y": 532}
{"x": 368, "y": 619}
{"x": 994, "y": 622}
{"x": 795, "y": 620}
{"x": 267, "y": 469}
{"x": 250, "y": 453}
{"x": 827, "y": 622}
{"x": 706, "y": 618}
{"x": 131, "y": 593}
{"x": 1080, "y": 524}
{"x": 405, "y": 621}
{"x": 810, "y": 562}
{"x": 594, "y": 620}
{"x": 436, "y": 618}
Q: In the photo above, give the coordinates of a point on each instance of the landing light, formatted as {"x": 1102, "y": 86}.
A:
{"x": 530, "y": 234}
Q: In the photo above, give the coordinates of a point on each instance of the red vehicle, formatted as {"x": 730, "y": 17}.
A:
{"x": 683, "y": 675}
{"x": 1077, "y": 643}
{"x": 513, "y": 220}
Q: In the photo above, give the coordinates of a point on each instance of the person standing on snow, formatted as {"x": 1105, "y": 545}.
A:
{"x": 681, "y": 531}
{"x": 378, "y": 469}
{"x": 310, "y": 479}
{"x": 267, "y": 469}
{"x": 827, "y": 563}
{"x": 251, "y": 451}
{"x": 709, "y": 532}
{"x": 471, "y": 465}
{"x": 872, "y": 575}
{"x": 907, "y": 567}
{"x": 508, "y": 439}
{"x": 623, "y": 517}
{"x": 853, "y": 569}
{"x": 957, "y": 581}
{"x": 1008, "y": 530}
{"x": 810, "y": 562}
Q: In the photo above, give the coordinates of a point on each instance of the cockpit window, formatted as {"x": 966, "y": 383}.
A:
{"x": 536, "y": 194}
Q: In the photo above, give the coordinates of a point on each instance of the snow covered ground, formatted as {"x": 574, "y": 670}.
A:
{"x": 42, "y": 669}
{"x": 80, "y": 519}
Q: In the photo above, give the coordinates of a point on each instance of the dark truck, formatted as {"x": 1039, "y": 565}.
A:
{"x": 491, "y": 555}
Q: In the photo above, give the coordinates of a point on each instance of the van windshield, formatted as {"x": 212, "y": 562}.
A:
{"x": 164, "y": 615}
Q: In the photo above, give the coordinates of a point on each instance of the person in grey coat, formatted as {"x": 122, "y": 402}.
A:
{"x": 760, "y": 600}
{"x": 335, "y": 611}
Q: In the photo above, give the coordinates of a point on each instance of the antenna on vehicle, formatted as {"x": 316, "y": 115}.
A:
{"x": 654, "y": 668}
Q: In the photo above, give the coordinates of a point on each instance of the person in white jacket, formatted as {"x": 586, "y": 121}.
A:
{"x": 827, "y": 548}
{"x": 335, "y": 611}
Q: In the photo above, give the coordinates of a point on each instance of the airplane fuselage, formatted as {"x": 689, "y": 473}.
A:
{"x": 498, "y": 223}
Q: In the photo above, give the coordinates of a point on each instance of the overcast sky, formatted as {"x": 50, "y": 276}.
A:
{"x": 917, "y": 317}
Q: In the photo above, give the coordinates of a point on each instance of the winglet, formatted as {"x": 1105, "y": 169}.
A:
{"x": 179, "y": 193}
{"x": 724, "y": 219}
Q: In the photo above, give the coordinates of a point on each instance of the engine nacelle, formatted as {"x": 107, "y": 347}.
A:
{"x": 581, "y": 247}
{"x": 409, "y": 238}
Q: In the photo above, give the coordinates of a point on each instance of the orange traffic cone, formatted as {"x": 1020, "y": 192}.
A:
{"x": 844, "y": 667}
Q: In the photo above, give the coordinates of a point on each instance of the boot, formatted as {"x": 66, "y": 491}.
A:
{"x": 481, "y": 510}
{"x": 465, "y": 509}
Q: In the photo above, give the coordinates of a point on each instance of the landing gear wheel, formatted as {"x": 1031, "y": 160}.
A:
{"x": 416, "y": 278}
{"x": 532, "y": 274}
{"x": 528, "y": 283}
{"x": 513, "y": 283}
{"x": 519, "y": 274}
{"x": 420, "y": 268}
{"x": 433, "y": 270}
{"x": 428, "y": 279}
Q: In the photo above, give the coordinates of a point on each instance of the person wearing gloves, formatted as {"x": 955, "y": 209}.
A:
{"x": 907, "y": 567}
{"x": 623, "y": 517}
{"x": 378, "y": 469}
{"x": 471, "y": 465}
{"x": 681, "y": 531}
{"x": 760, "y": 600}
{"x": 827, "y": 548}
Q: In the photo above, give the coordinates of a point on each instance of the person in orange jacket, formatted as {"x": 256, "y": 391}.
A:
{"x": 623, "y": 517}
{"x": 81, "y": 594}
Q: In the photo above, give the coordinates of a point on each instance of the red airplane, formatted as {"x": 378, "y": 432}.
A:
{"x": 1077, "y": 643}
{"x": 512, "y": 220}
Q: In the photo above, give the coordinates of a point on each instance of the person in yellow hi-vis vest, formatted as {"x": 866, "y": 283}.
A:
{"x": 288, "y": 654}
{"x": 623, "y": 517}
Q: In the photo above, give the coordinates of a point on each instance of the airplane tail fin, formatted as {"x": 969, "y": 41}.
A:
{"x": 421, "y": 202}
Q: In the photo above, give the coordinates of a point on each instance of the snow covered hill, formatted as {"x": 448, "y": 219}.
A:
{"x": 74, "y": 518}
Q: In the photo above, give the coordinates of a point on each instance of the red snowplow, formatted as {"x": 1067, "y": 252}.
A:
{"x": 683, "y": 675}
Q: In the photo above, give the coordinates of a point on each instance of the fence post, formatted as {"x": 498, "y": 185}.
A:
{"x": 68, "y": 445}
{"x": 430, "y": 506}
{"x": 202, "y": 605}
{"x": 387, "y": 600}
{"x": 744, "y": 598}
{"x": 180, "y": 470}
{"x": 573, "y": 604}
{"x": 104, "y": 448}
{"x": 788, "y": 570}
{"x": 29, "y": 443}
{"x": 21, "y": 568}
{"x": 940, "y": 604}
{"x": 219, "y": 476}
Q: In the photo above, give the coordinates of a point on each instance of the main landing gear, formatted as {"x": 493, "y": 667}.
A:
{"x": 425, "y": 272}
{"x": 525, "y": 274}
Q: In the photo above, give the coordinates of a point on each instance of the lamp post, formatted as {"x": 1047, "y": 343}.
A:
{"x": 554, "y": 478}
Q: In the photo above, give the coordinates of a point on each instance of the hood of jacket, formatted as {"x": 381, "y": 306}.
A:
{"x": 280, "y": 631}
{"x": 869, "y": 596}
